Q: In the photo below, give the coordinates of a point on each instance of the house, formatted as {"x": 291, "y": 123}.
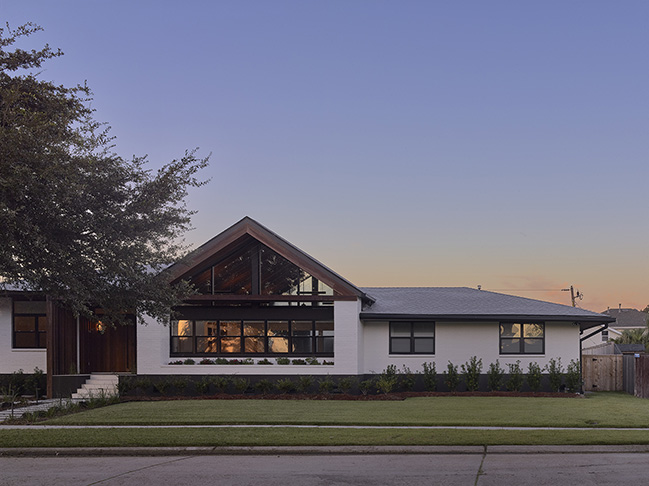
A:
{"x": 259, "y": 299}
{"x": 625, "y": 319}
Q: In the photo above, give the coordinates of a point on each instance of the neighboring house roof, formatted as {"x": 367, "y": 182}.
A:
{"x": 627, "y": 318}
{"x": 466, "y": 303}
{"x": 246, "y": 228}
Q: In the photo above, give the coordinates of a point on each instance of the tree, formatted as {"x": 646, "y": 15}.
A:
{"x": 79, "y": 223}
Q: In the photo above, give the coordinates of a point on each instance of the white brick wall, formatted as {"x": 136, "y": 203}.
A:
{"x": 459, "y": 341}
{"x": 153, "y": 351}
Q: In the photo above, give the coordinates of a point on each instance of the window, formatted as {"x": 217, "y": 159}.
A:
{"x": 252, "y": 337}
{"x": 29, "y": 324}
{"x": 604, "y": 336}
{"x": 522, "y": 338}
{"x": 412, "y": 338}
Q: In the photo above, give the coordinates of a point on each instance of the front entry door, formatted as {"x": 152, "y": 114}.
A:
{"x": 106, "y": 349}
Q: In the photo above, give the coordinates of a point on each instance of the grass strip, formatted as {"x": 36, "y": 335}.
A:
{"x": 599, "y": 410}
{"x": 152, "y": 437}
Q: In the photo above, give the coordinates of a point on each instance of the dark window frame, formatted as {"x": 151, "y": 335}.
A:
{"x": 316, "y": 340}
{"x": 39, "y": 336}
{"x": 521, "y": 339}
{"x": 413, "y": 337}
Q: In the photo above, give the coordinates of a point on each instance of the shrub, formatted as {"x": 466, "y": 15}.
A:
{"x": 220, "y": 383}
{"x": 367, "y": 386}
{"x": 180, "y": 384}
{"x": 430, "y": 376}
{"x": 125, "y": 385}
{"x": 299, "y": 361}
{"x": 264, "y": 386}
{"x": 221, "y": 361}
{"x": 555, "y": 373}
{"x": 312, "y": 361}
{"x": 408, "y": 378}
{"x": 162, "y": 386}
{"x": 573, "y": 376}
{"x": 495, "y": 376}
{"x": 515, "y": 380}
{"x": 241, "y": 384}
{"x": 285, "y": 385}
{"x": 534, "y": 376}
{"x": 143, "y": 384}
{"x": 189, "y": 361}
{"x": 206, "y": 361}
{"x": 264, "y": 361}
{"x": 283, "y": 361}
{"x": 347, "y": 383}
{"x": 203, "y": 385}
{"x": 452, "y": 378}
{"x": 326, "y": 384}
{"x": 387, "y": 380}
{"x": 304, "y": 383}
{"x": 177, "y": 362}
{"x": 471, "y": 371}
{"x": 325, "y": 362}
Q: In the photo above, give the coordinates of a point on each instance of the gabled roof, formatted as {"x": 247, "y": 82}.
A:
{"x": 455, "y": 303}
{"x": 224, "y": 242}
{"x": 627, "y": 318}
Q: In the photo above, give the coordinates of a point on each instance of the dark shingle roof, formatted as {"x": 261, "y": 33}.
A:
{"x": 467, "y": 303}
{"x": 629, "y": 318}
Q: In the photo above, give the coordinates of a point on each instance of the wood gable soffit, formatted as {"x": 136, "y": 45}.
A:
{"x": 207, "y": 254}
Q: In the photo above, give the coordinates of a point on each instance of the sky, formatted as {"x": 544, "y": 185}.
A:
{"x": 401, "y": 143}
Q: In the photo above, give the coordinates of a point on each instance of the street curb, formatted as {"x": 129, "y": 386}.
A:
{"x": 325, "y": 450}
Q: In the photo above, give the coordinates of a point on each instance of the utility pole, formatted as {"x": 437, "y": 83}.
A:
{"x": 574, "y": 296}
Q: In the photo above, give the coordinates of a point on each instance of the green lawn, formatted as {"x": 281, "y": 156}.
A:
{"x": 152, "y": 437}
{"x": 590, "y": 414}
{"x": 599, "y": 410}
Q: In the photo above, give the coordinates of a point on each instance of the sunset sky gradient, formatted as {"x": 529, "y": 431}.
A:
{"x": 401, "y": 143}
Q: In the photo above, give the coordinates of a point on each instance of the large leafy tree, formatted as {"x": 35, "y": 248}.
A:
{"x": 78, "y": 222}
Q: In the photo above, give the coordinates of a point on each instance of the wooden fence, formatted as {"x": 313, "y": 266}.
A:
{"x": 615, "y": 372}
{"x": 642, "y": 376}
{"x": 602, "y": 372}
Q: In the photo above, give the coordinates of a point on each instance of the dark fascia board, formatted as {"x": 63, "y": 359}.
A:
{"x": 585, "y": 322}
{"x": 248, "y": 226}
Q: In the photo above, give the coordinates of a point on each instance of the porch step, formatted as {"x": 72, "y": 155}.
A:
{"x": 97, "y": 386}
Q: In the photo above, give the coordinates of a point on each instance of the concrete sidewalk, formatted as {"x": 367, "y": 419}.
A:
{"x": 316, "y": 450}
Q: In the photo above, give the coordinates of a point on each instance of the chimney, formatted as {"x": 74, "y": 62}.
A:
{"x": 620, "y": 307}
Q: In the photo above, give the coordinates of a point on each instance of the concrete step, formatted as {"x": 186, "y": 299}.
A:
{"x": 97, "y": 386}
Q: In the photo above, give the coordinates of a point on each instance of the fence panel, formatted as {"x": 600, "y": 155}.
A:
{"x": 628, "y": 373}
{"x": 602, "y": 372}
{"x": 642, "y": 376}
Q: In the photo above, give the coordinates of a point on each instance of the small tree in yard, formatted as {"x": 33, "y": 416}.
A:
{"x": 430, "y": 376}
{"x": 387, "y": 380}
{"x": 471, "y": 371}
{"x": 555, "y": 373}
{"x": 515, "y": 381}
{"x": 534, "y": 376}
{"x": 495, "y": 376}
{"x": 451, "y": 377}
{"x": 573, "y": 376}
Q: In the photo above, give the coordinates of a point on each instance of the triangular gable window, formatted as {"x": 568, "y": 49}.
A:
{"x": 255, "y": 269}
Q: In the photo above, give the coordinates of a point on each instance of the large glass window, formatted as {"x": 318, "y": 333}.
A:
{"x": 412, "y": 337}
{"x": 256, "y": 269}
{"x": 29, "y": 324}
{"x": 522, "y": 338}
{"x": 252, "y": 337}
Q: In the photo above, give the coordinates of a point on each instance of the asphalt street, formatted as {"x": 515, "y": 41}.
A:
{"x": 472, "y": 468}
